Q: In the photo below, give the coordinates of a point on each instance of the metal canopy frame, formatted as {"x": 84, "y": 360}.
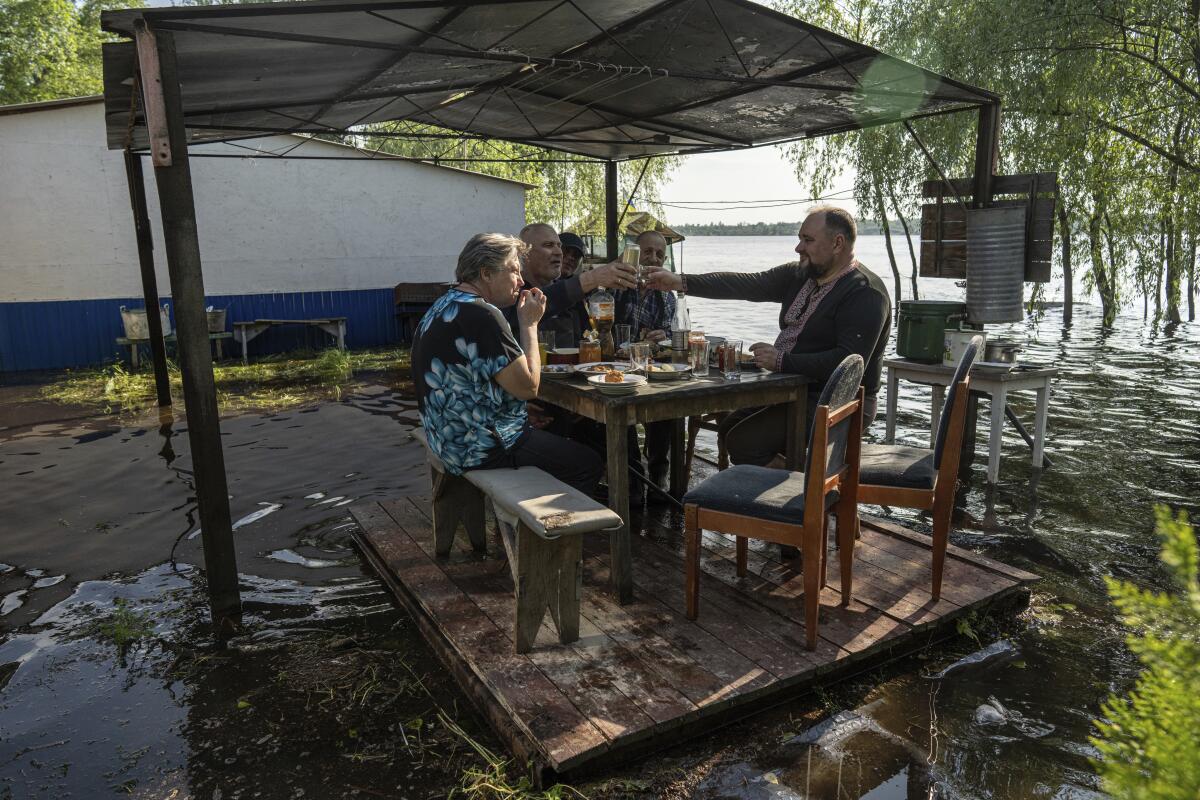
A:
{"x": 602, "y": 80}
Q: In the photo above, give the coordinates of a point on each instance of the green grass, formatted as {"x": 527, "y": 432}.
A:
{"x": 124, "y": 626}
{"x": 270, "y": 383}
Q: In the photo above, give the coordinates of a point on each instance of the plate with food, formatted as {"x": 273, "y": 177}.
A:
{"x": 557, "y": 370}
{"x": 668, "y": 372}
{"x": 602, "y": 367}
{"x": 617, "y": 383}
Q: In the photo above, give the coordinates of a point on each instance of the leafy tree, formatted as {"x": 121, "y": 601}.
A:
{"x": 568, "y": 189}
{"x": 50, "y": 49}
{"x": 1147, "y": 742}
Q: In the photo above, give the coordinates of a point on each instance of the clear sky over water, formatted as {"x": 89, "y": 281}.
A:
{"x": 740, "y": 186}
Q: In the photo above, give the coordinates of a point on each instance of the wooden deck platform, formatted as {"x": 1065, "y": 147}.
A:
{"x": 642, "y": 676}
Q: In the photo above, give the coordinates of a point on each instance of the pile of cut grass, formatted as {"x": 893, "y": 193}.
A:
{"x": 270, "y": 383}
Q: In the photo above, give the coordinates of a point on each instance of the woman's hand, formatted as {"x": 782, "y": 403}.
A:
{"x": 531, "y": 305}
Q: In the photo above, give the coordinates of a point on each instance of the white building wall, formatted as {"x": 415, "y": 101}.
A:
{"x": 66, "y": 230}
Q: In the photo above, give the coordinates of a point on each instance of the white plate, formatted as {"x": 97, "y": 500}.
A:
{"x": 668, "y": 372}
{"x": 593, "y": 368}
{"x": 999, "y": 365}
{"x": 627, "y": 386}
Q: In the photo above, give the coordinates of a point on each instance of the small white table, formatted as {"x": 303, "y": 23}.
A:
{"x": 996, "y": 383}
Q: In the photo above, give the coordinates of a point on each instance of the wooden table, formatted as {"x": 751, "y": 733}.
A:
{"x": 334, "y": 326}
{"x": 134, "y": 344}
{"x": 671, "y": 400}
{"x": 996, "y": 383}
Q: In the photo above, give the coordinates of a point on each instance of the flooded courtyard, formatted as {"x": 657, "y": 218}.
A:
{"x": 110, "y": 684}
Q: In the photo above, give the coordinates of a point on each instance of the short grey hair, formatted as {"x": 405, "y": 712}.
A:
{"x": 486, "y": 253}
{"x": 838, "y": 220}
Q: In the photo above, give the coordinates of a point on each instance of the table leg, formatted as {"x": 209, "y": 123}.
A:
{"x": 939, "y": 397}
{"x": 220, "y": 349}
{"x": 797, "y": 433}
{"x": 133, "y": 355}
{"x": 242, "y": 338}
{"x": 1039, "y": 424}
{"x": 893, "y": 388}
{"x": 996, "y": 436}
{"x": 341, "y": 335}
{"x": 679, "y": 479}
{"x": 616, "y": 423}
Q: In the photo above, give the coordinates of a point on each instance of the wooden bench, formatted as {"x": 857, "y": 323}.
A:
{"x": 541, "y": 522}
{"x": 245, "y": 331}
{"x": 134, "y": 345}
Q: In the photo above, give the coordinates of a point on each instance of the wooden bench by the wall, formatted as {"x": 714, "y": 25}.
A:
{"x": 245, "y": 332}
{"x": 541, "y": 522}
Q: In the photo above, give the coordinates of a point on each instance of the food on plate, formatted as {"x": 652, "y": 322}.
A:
{"x": 614, "y": 376}
{"x": 658, "y": 368}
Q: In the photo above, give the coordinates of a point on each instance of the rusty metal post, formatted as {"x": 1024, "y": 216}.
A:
{"x": 610, "y": 211}
{"x": 160, "y": 84}
{"x": 987, "y": 154}
{"x": 145, "y": 246}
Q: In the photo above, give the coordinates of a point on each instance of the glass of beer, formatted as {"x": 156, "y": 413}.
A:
{"x": 546, "y": 343}
{"x": 633, "y": 257}
{"x": 589, "y": 351}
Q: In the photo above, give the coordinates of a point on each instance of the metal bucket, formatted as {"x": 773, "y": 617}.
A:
{"x": 216, "y": 320}
{"x": 995, "y": 264}
{"x": 138, "y": 327}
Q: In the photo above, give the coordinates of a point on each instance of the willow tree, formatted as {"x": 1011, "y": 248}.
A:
{"x": 568, "y": 188}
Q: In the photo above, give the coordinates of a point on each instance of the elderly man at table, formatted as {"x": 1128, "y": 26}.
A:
{"x": 832, "y": 306}
{"x": 541, "y": 268}
{"x": 649, "y": 314}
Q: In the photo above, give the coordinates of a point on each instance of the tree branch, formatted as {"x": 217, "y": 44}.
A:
{"x": 1173, "y": 158}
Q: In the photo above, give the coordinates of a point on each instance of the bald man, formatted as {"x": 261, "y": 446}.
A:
{"x": 542, "y": 267}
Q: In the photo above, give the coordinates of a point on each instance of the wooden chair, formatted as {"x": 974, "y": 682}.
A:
{"x": 790, "y": 508}
{"x": 921, "y": 478}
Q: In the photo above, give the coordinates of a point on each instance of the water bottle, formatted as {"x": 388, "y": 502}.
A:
{"x": 681, "y": 327}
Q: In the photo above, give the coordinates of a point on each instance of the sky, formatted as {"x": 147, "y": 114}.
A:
{"x": 703, "y": 188}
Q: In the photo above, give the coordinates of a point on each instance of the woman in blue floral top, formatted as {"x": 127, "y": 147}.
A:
{"x": 473, "y": 377}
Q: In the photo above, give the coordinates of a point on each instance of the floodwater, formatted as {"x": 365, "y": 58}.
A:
{"x": 331, "y": 691}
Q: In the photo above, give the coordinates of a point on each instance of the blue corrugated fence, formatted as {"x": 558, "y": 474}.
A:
{"x": 76, "y": 333}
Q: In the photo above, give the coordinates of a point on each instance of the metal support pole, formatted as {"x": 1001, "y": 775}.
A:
{"x": 173, "y": 175}
{"x": 610, "y": 210}
{"x": 145, "y": 246}
{"x": 987, "y": 153}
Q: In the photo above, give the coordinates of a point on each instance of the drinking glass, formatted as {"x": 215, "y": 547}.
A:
{"x": 589, "y": 351}
{"x": 621, "y": 335}
{"x": 698, "y": 357}
{"x": 639, "y": 355}
{"x": 730, "y": 351}
{"x": 546, "y": 343}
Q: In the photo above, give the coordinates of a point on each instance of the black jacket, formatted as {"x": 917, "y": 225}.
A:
{"x": 852, "y": 318}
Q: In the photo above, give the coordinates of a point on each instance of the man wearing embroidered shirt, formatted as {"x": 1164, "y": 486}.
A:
{"x": 832, "y": 306}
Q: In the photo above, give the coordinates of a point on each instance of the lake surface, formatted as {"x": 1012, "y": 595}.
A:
{"x": 332, "y": 692}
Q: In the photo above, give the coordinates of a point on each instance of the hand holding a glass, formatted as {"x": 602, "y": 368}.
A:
{"x": 662, "y": 279}
{"x": 765, "y": 355}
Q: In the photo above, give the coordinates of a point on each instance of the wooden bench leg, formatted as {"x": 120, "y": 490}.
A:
{"x": 455, "y": 501}
{"x": 536, "y": 575}
{"x": 570, "y": 587}
{"x": 549, "y": 576}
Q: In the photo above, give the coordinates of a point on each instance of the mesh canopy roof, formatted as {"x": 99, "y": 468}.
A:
{"x": 609, "y": 79}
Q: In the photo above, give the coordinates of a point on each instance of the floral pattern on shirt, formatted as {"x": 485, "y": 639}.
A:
{"x": 461, "y": 343}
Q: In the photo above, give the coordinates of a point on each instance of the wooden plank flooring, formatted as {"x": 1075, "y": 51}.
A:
{"x": 642, "y": 676}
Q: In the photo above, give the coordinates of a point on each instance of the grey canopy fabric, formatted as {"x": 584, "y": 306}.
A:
{"x": 608, "y": 79}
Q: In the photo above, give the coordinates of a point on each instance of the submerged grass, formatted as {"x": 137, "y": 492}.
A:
{"x": 270, "y": 383}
